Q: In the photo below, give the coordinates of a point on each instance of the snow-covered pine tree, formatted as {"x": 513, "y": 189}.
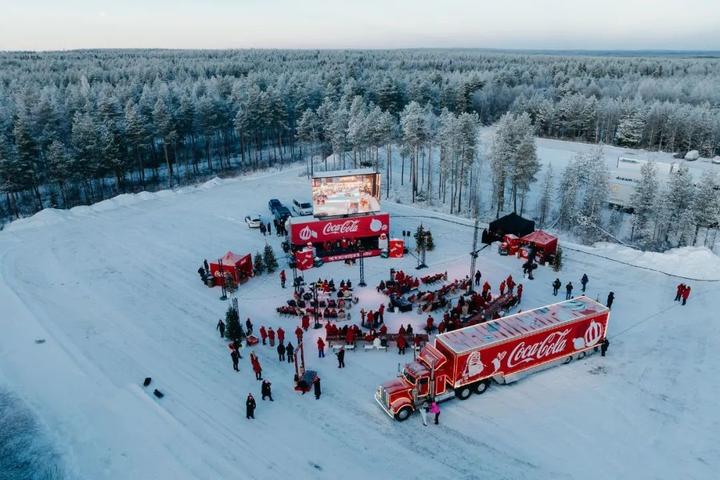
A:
{"x": 548, "y": 187}
{"x": 233, "y": 329}
{"x": 706, "y": 205}
{"x": 643, "y": 202}
{"x": 595, "y": 195}
{"x": 630, "y": 129}
{"x": 258, "y": 264}
{"x": 270, "y": 261}
{"x": 429, "y": 242}
{"x": 567, "y": 196}
{"x": 674, "y": 213}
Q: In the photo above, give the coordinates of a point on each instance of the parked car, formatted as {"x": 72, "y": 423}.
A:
{"x": 302, "y": 208}
{"x": 274, "y": 204}
{"x": 716, "y": 160}
{"x": 253, "y": 221}
{"x": 282, "y": 213}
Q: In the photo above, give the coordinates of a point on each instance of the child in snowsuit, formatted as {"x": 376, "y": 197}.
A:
{"x": 316, "y": 387}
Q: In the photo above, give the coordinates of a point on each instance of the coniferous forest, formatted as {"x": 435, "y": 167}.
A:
{"x": 80, "y": 126}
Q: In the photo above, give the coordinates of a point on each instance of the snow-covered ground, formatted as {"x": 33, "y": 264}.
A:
{"x": 113, "y": 290}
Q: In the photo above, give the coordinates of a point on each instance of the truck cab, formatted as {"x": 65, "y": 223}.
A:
{"x": 421, "y": 380}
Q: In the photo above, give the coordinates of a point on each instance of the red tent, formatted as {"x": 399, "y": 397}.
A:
{"x": 543, "y": 241}
{"x": 239, "y": 267}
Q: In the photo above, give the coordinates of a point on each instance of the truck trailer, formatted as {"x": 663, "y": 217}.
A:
{"x": 467, "y": 360}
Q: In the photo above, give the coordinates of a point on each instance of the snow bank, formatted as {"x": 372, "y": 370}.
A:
{"x": 697, "y": 263}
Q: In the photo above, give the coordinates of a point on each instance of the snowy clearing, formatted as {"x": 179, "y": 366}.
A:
{"x": 113, "y": 290}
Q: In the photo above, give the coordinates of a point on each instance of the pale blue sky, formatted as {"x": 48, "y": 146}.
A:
{"x": 541, "y": 24}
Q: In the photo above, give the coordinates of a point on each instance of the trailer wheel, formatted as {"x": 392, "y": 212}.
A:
{"x": 568, "y": 360}
{"x": 463, "y": 393}
{"x": 481, "y": 387}
{"x": 403, "y": 414}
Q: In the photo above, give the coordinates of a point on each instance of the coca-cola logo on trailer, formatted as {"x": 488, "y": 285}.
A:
{"x": 307, "y": 233}
{"x": 550, "y": 345}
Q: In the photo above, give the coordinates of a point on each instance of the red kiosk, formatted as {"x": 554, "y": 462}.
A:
{"x": 238, "y": 267}
{"x": 545, "y": 245}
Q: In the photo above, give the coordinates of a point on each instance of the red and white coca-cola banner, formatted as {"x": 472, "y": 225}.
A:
{"x": 332, "y": 230}
{"x": 351, "y": 255}
{"x": 304, "y": 259}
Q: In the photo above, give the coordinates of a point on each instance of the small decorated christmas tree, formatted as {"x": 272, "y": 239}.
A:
{"x": 259, "y": 265}
{"x": 429, "y": 242}
{"x": 557, "y": 262}
{"x": 233, "y": 329}
{"x": 271, "y": 263}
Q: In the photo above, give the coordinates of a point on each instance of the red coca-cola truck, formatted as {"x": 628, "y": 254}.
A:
{"x": 467, "y": 360}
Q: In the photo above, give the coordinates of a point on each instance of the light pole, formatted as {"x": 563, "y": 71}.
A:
{"x": 361, "y": 262}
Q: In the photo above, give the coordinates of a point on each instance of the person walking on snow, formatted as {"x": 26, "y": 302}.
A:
{"x": 478, "y": 276}
{"x": 250, "y": 407}
{"x": 221, "y": 326}
{"x": 680, "y": 290}
{"x": 510, "y": 283}
{"x": 568, "y": 291}
{"x": 269, "y": 228}
{"x": 266, "y": 390}
{"x": 263, "y": 333}
{"x": 685, "y": 294}
{"x": 584, "y": 281}
{"x": 424, "y": 409}
{"x": 263, "y": 230}
{"x": 281, "y": 335}
{"x": 281, "y": 351}
{"x": 299, "y": 334}
{"x": 519, "y": 292}
{"x": 271, "y": 336}
{"x": 381, "y": 313}
{"x": 321, "y": 347}
{"x": 435, "y": 409}
{"x": 341, "y": 357}
{"x": 316, "y": 388}
{"x": 249, "y": 326}
{"x": 290, "y": 351}
{"x": 282, "y": 278}
{"x": 604, "y": 346}
{"x": 556, "y": 286}
{"x": 235, "y": 359}
{"x": 256, "y": 366}
{"x": 502, "y": 287}
{"x": 610, "y": 299}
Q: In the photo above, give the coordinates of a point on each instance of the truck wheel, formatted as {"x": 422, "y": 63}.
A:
{"x": 463, "y": 393}
{"x": 403, "y": 414}
{"x": 582, "y": 355}
{"x": 481, "y": 387}
{"x": 568, "y": 360}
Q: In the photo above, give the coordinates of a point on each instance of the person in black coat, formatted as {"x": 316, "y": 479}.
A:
{"x": 269, "y": 229}
{"x": 341, "y": 357}
{"x": 610, "y": 299}
{"x": 568, "y": 291}
{"x": 221, "y": 326}
{"x": 604, "y": 346}
{"x": 316, "y": 386}
{"x": 250, "y": 407}
{"x": 266, "y": 390}
{"x": 290, "y": 351}
{"x": 235, "y": 359}
{"x": 281, "y": 352}
{"x": 478, "y": 276}
{"x": 584, "y": 281}
{"x": 207, "y": 267}
{"x": 556, "y": 286}
{"x": 249, "y": 326}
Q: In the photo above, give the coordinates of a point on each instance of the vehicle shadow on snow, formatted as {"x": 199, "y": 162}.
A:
{"x": 26, "y": 452}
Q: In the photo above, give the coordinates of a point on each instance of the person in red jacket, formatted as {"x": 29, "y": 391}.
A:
{"x": 679, "y": 293}
{"x": 281, "y": 335}
{"x": 350, "y": 337}
{"x": 441, "y": 327}
{"x": 519, "y": 292}
{"x": 381, "y": 311}
{"x": 430, "y": 324}
{"x": 271, "y": 336}
{"x": 486, "y": 290}
{"x": 256, "y": 366}
{"x": 685, "y": 294}
{"x": 401, "y": 331}
{"x": 321, "y": 347}
{"x": 370, "y": 319}
{"x": 263, "y": 333}
{"x": 383, "y": 329}
{"x": 502, "y": 287}
{"x": 401, "y": 344}
{"x": 306, "y": 322}
{"x": 510, "y": 283}
{"x": 282, "y": 278}
{"x": 299, "y": 334}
